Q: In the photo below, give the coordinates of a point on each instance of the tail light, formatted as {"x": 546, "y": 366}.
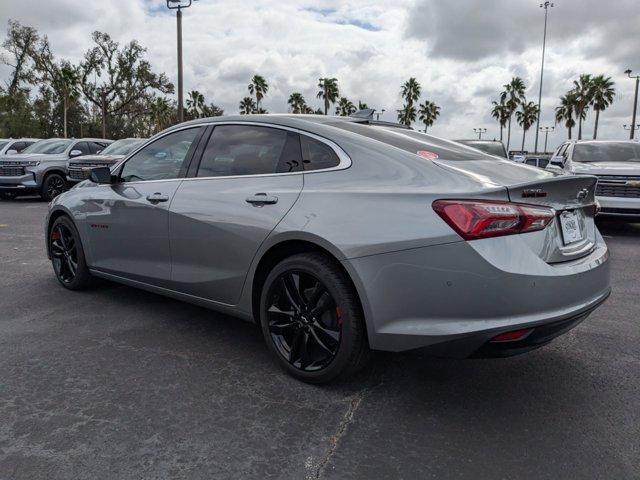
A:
{"x": 473, "y": 219}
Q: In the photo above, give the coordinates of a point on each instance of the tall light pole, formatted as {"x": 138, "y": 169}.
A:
{"x": 635, "y": 103}
{"x": 178, "y": 5}
{"x": 480, "y": 131}
{"x": 546, "y": 131}
{"x": 546, "y": 6}
{"x": 381, "y": 112}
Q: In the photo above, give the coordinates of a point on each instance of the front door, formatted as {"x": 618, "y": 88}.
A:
{"x": 127, "y": 222}
{"x": 247, "y": 180}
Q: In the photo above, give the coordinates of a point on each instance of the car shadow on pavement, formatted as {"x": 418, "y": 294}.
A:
{"x": 619, "y": 227}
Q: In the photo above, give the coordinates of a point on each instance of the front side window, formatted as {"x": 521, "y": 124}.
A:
{"x": 95, "y": 147}
{"x": 160, "y": 160}
{"x": 318, "y": 155}
{"x": 250, "y": 150}
{"x": 83, "y": 147}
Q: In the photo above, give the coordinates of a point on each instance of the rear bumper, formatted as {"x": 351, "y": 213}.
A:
{"x": 454, "y": 299}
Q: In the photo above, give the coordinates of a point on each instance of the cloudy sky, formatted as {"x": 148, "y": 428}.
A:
{"x": 461, "y": 51}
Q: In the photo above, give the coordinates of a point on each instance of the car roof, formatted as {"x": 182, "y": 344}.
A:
{"x": 475, "y": 140}
{"x": 603, "y": 141}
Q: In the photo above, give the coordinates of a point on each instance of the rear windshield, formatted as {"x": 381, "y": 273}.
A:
{"x": 606, "y": 152}
{"x": 492, "y": 148}
{"x": 415, "y": 142}
{"x": 48, "y": 146}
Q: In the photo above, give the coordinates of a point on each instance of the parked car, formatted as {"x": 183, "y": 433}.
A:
{"x": 492, "y": 147}
{"x": 616, "y": 164}
{"x": 78, "y": 168}
{"x": 339, "y": 235}
{"x": 42, "y": 167}
{"x": 12, "y": 146}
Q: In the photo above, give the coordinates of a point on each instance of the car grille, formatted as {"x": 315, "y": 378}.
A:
{"x": 11, "y": 171}
{"x": 625, "y": 186}
{"x": 78, "y": 174}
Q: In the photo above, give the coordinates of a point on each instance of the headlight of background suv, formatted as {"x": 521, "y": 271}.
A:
{"x": 22, "y": 163}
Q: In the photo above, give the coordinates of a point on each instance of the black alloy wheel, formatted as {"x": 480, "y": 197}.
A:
{"x": 53, "y": 186}
{"x": 64, "y": 253}
{"x": 312, "y": 320}
{"x": 304, "y": 320}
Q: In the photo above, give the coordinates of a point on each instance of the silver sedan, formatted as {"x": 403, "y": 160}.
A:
{"x": 340, "y": 236}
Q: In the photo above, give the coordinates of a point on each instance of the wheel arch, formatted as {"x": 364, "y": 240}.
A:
{"x": 53, "y": 216}
{"x": 282, "y": 248}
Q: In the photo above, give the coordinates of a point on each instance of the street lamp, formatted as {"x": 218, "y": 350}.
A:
{"x": 546, "y": 6}
{"x": 381, "y": 112}
{"x": 635, "y": 103}
{"x": 480, "y": 131}
{"x": 546, "y": 131}
{"x": 178, "y": 5}
{"x": 629, "y": 127}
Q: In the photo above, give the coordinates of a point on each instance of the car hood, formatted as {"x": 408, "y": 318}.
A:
{"x": 496, "y": 172}
{"x": 606, "y": 168}
{"x": 91, "y": 159}
{"x": 25, "y": 156}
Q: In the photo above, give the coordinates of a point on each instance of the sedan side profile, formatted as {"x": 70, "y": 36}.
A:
{"x": 339, "y": 236}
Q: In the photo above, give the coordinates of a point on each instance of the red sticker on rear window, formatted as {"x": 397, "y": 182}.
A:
{"x": 427, "y": 154}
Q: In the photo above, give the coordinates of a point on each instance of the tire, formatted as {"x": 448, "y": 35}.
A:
{"x": 52, "y": 186}
{"x": 311, "y": 319}
{"x": 67, "y": 255}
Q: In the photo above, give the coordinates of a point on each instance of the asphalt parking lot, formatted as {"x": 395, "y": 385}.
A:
{"x": 119, "y": 383}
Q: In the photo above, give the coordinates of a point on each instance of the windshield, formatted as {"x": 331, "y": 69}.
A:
{"x": 492, "y": 148}
{"x": 48, "y": 146}
{"x": 122, "y": 147}
{"x": 606, "y": 152}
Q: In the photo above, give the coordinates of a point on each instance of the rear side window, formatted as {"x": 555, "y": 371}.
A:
{"x": 317, "y": 155}
{"x": 250, "y": 150}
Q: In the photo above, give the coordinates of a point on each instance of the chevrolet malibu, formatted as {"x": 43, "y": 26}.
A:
{"x": 339, "y": 236}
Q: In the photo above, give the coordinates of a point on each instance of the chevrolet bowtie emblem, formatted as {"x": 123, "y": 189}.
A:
{"x": 582, "y": 194}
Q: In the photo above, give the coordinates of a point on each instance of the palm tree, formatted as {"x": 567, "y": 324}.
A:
{"x": 345, "y": 107}
{"x": 526, "y": 117}
{"x": 501, "y": 113}
{"x": 260, "y": 87}
{"x": 160, "y": 112}
{"x": 512, "y": 96}
{"x": 195, "y": 104}
{"x": 410, "y": 91}
{"x": 362, "y": 105}
{"x": 428, "y": 112}
{"x": 583, "y": 90}
{"x": 328, "y": 92}
{"x": 247, "y": 106}
{"x": 602, "y": 97}
{"x": 564, "y": 112}
{"x": 407, "y": 115}
{"x": 297, "y": 103}
{"x": 66, "y": 83}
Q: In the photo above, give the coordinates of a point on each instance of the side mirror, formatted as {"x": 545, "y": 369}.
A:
{"x": 101, "y": 175}
{"x": 11, "y": 151}
{"x": 557, "y": 160}
{"x": 75, "y": 153}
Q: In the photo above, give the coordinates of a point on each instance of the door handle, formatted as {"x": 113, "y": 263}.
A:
{"x": 260, "y": 199}
{"x": 157, "y": 197}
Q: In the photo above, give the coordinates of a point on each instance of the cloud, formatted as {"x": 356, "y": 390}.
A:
{"x": 462, "y": 51}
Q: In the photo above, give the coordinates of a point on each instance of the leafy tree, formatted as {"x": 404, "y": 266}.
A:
{"x": 410, "y": 91}
{"x": 526, "y": 117}
{"x": 583, "y": 90}
{"x": 20, "y": 43}
{"x": 512, "y": 96}
{"x": 500, "y": 112}
{"x": 114, "y": 78}
{"x": 566, "y": 110}
{"x": 428, "y": 113}
{"x": 297, "y": 103}
{"x": 602, "y": 97}
{"x": 260, "y": 87}
{"x": 161, "y": 114}
{"x": 247, "y": 106}
{"x": 328, "y": 92}
{"x": 362, "y": 105}
{"x": 345, "y": 107}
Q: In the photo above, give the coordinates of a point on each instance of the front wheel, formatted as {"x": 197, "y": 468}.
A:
{"x": 312, "y": 320}
{"x": 67, "y": 255}
{"x": 52, "y": 186}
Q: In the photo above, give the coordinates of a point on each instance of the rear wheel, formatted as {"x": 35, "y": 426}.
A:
{"x": 312, "y": 320}
{"x": 67, "y": 255}
{"x": 52, "y": 186}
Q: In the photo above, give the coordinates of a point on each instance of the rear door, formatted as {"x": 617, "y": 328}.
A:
{"x": 248, "y": 178}
{"x": 128, "y": 222}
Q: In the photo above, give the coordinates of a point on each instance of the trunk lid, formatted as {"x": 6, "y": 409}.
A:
{"x": 573, "y": 233}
